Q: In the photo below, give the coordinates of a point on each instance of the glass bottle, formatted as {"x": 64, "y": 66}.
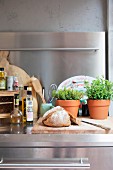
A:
{"x": 15, "y": 84}
{"x": 16, "y": 114}
{"x": 2, "y": 79}
{"x": 24, "y": 103}
{"x": 20, "y": 96}
{"x": 85, "y": 111}
{"x": 29, "y": 107}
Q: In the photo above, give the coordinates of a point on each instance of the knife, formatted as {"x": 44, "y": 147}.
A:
{"x": 97, "y": 125}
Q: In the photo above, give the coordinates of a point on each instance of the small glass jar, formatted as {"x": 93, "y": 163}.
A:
{"x": 9, "y": 83}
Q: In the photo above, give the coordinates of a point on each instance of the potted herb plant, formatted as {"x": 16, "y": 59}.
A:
{"x": 69, "y": 99}
{"x": 99, "y": 94}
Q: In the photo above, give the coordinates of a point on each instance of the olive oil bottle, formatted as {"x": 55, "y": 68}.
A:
{"x": 24, "y": 103}
{"x": 2, "y": 79}
{"x": 16, "y": 114}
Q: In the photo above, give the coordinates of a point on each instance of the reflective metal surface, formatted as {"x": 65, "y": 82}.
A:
{"x": 67, "y": 55}
{"x": 46, "y": 163}
{"x": 20, "y": 135}
{"x": 50, "y": 40}
{"x": 55, "y": 140}
{"x": 95, "y": 158}
{"x": 56, "y": 56}
{"x": 54, "y": 151}
{"x": 10, "y": 128}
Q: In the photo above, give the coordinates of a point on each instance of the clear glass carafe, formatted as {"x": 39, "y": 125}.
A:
{"x": 16, "y": 114}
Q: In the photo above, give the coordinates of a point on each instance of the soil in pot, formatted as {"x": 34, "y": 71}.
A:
{"x": 98, "y": 109}
{"x": 71, "y": 106}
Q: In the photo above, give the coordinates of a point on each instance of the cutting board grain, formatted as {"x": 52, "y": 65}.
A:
{"x": 84, "y": 128}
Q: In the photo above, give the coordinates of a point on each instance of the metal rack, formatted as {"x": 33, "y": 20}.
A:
{"x": 49, "y": 49}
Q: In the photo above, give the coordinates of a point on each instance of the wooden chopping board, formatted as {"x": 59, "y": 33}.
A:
{"x": 23, "y": 78}
{"x": 84, "y": 128}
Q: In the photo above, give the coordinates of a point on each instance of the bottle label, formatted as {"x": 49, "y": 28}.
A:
{"x": 29, "y": 116}
{"x": 2, "y": 84}
{"x": 29, "y": 109}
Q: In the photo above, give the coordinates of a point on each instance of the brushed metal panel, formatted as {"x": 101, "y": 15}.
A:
{"x": 13, "y": 40}
{"x": 110, "y": 44}
{"x": 55, "y": 140}
{"x": 56, "y": 56}
{"x": 99, "y": 157}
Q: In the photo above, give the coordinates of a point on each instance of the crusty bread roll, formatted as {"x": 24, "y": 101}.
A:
{"x": 56, "y": 117}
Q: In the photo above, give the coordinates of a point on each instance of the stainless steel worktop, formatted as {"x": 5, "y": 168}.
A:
{"x": 21, "y": 136}
{"x": 19, "y": 148}
{"x": 56, "y": 140}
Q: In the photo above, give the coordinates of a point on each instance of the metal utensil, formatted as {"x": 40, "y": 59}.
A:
{"x": 97, "y": 125}
{"x": 51, "y": 88}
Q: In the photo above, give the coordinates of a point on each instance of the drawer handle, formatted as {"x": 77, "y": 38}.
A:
{"x": 1, "y": 160}
{"x": 49, "y": 163}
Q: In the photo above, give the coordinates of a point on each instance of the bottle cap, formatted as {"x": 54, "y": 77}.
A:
{"x": 1, "y": 69}
{"x": 29, "y": 92}
{"x": 17, "y": 94}
{"x": 25, "y": 87}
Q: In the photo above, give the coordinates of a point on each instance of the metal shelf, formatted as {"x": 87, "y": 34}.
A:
{"x": 49, "y": 49}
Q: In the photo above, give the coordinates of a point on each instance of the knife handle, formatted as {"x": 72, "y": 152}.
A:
{"x": 104, "y": 127}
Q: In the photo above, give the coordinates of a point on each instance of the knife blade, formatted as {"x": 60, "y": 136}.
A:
{"x": 97, "y": 125}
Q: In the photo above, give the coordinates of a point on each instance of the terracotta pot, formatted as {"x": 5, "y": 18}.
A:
{"x": 98, "y": 109}
{"x": 71, "y": 106}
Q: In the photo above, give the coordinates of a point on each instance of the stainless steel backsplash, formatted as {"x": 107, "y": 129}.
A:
{"x": 55, "y": 56}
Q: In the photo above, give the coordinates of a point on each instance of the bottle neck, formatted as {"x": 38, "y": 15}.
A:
{"x": 29, "y": 96}
{"x": 16, "y": 101}
{"x": 16, "y": 106}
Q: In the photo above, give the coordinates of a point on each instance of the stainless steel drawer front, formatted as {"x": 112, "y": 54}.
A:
{"x": 46, "y": 163}
{"x": 99, "y": 158}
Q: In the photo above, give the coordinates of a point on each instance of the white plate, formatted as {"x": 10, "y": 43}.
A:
{"x": 76, "y": 82}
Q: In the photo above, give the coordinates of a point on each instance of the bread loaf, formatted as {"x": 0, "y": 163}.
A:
{"x": 56, "y": 117}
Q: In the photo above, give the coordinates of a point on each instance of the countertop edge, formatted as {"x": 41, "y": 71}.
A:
{"x": 56, "y": 140}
